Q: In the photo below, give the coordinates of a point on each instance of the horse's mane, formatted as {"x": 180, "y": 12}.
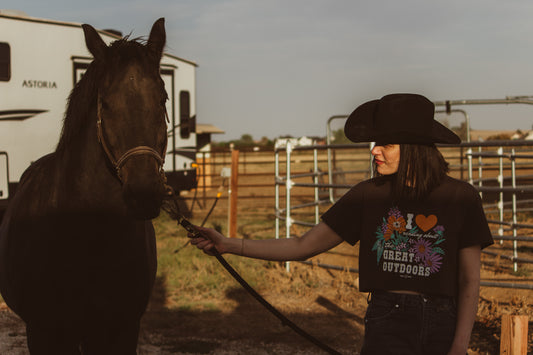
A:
{"x": 81, "y": 103}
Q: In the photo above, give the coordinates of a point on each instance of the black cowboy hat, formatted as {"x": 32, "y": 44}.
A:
{"x": 398, "y": 118}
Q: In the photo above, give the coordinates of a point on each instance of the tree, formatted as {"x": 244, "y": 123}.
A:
{"x": 247, "y": 138}
{"x": 339, "y": 137}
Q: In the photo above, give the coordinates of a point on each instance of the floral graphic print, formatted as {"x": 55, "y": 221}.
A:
{"x": 409, "y": 244}
{"x": 394, "y": 224}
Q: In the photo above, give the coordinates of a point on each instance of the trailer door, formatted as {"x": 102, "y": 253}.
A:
{"x": 168, "y": 78}
{"x": 4, "y": 176}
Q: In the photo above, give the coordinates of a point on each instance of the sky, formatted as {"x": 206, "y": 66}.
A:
{"x": 270, "y": 68}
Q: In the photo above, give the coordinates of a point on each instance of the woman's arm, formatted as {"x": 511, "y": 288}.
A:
{"x": 317, "y": 240}
{"x": 467, "y": 298}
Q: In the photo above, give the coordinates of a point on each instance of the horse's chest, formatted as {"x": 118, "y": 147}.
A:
{"x": 80, "y": 248}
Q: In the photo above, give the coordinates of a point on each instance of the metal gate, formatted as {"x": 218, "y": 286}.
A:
{"x": 502, "y": 172}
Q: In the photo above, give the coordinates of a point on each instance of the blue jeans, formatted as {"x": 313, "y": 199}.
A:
{"x": 408, "y": 324}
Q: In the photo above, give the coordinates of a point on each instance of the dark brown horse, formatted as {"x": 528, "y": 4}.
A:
{"x": 77, "y": 247}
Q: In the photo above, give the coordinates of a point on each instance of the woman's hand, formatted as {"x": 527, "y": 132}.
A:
{"x": 208, "y": 240}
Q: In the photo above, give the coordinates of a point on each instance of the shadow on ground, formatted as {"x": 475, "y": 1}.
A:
{"x": 248, "y": 328}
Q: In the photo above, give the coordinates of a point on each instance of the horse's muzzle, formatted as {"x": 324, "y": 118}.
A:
{"x": 143, "y": 195}
{"x": 143, "y": 203}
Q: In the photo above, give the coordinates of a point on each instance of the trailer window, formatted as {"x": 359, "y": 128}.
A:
{"x": 5, "y": 62}
{"x": 185, "y": 114}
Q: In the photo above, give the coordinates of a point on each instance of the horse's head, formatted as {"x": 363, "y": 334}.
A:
{"x": 131, "y": 115}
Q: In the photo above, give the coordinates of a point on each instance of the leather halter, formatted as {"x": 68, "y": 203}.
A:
{"x": 138, "y": 150}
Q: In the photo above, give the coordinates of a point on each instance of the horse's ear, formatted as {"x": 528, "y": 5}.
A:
{"x": 157, "y": 39}
{"x": 94, "y": 42}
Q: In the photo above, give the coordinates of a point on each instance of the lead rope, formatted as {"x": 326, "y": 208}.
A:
{"x": 174, "y": 212}
{"x": 219, "y": 193}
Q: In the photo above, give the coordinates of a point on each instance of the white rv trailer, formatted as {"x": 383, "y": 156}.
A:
{"x": 40, "y": 62}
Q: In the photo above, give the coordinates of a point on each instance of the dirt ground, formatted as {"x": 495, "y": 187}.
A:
{"x": 248, "y": 328}
{"x": 332, "y": 314}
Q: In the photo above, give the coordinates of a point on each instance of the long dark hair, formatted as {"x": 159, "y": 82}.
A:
{"x": 421, "y": 168}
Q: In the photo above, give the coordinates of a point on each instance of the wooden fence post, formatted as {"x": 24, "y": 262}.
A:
{"x": 232, "y": 222}
{"x": 513, "y": 339}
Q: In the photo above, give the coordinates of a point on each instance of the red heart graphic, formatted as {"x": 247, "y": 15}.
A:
{"x": 426, "y": 223}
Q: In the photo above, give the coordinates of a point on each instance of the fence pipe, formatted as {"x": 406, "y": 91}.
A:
{"x": 480, "y": 171}
{"x": 517, "y": 238}
{"x": 501, "y": 202}
{"x": 503, "y": 256}
{"x": 330, "y": 174}
{"x": 204, "y": 167}
{"x": 330, "y": 161}
{"x": 508, "y": 100}
{"x": 512, "y": 285}
{"x": 304, "y": 205}
{"x": 515, "y": 221}
{"x": 470, "y": 172}
{"x": 518, "y": 225}
{"x": 288, "y": 187}
{"x": 315, "y": 179}
{"x": 276, "y": 190}
{"x": 336, "y": 186}
{"x": 461, "y": 159}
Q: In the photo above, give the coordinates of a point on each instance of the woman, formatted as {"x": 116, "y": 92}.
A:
{"x": 420, "y": 231}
